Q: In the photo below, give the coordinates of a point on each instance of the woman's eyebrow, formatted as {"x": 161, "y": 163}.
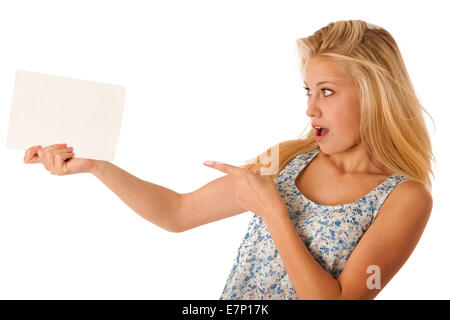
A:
{"x": 322, "y": 82}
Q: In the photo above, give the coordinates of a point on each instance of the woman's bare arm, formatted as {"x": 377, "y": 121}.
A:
{"x": 153, "y": 202}
{"x": 212, "y": 202}
{"x": 166, "y": 208}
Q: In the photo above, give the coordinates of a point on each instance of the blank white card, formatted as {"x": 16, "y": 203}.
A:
{"x": 48, "y": 110}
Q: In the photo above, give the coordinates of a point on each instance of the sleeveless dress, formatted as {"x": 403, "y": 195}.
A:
{"x": 329, "y": 232}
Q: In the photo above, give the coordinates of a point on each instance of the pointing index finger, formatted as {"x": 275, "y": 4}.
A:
{"x": 227, "y": 168}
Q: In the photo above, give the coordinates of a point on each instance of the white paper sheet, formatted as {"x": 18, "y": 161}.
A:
{"x": 49, "y": 109}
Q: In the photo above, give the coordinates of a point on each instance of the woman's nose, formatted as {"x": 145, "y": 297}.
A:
{"x": 312, "y": 110}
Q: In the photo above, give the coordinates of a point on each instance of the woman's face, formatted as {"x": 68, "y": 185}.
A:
{"x": 333, "y": 104}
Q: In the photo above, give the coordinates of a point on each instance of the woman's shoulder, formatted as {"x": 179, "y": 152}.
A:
{"x": 411, "y": 188}
{"x": 408, "y": 192}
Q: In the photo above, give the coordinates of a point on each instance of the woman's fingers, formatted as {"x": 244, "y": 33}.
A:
{"x": 31, "y": 155}
{"x": 47, "y": 156}
{"x": 54, "y": 159}
{"x": 49, "y": 149}
{"x": 60, "y": 157}
{"x": 52, "y": 147}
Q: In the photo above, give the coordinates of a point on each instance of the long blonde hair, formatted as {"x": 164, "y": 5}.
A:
{"x": 392, "y": 124}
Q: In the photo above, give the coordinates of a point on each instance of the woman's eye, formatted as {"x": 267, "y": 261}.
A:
{"x": 323, "y": 89}
{"x": 306, "y": 90}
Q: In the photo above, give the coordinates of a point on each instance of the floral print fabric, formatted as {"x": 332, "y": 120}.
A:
{"x": 329, "y": 232}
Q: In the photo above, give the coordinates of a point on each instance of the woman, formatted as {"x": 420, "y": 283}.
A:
{"x": 323, "y": 225}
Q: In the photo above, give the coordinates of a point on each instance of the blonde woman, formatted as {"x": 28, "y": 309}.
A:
{"x": 346, "y": 204}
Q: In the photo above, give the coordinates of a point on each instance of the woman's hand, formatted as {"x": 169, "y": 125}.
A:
{"x": 58, "y": 159}
{"x": 254, "y": 192}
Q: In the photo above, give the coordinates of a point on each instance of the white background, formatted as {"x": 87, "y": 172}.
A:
{"x": 206, "y": 80}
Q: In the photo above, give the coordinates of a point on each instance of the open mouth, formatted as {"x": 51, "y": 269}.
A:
{"x": 321, "y": 132}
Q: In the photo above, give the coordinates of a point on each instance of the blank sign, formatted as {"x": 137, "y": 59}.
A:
{"x": 48, "y": 109}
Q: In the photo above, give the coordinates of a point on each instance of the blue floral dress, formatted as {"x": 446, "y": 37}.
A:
{"x": 329, "y": 232}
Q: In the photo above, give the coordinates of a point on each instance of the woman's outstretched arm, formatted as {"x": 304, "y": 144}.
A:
{"x": 166, "y": 208}
{"x": 153, "y": 202}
